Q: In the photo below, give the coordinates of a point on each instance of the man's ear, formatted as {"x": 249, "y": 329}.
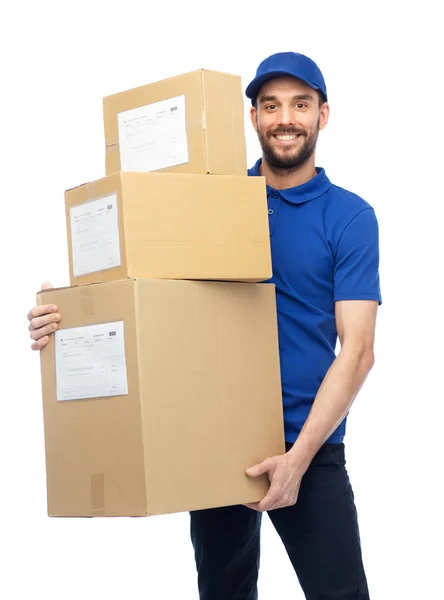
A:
{"x": 324, "y": 115}
{"x": 253, "y": 117}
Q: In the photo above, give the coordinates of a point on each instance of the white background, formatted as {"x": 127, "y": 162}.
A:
{"x": 384, "y": 142}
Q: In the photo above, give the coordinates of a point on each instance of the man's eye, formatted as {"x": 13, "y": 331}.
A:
{"x": 271, "y": 106}
{"x": 300, "y": 105}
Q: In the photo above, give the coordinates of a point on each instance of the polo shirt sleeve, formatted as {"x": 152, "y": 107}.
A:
{"x": 356, "y": 272}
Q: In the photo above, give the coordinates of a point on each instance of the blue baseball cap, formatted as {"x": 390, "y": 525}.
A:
{"x": 287, "y": 63}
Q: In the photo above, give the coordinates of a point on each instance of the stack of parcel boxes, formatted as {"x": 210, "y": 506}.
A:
{"x": 162, "y": 384}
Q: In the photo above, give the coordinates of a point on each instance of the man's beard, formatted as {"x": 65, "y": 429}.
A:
{"x": 291, "y": 159}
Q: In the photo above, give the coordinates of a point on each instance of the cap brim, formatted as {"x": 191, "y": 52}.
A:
{"x": 254, "y": 87}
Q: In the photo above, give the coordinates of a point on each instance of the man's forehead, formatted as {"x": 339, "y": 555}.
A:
{"x": 285, "y": 85}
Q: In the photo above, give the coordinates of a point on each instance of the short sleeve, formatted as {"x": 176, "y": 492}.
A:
{"x": 356, "y": 272}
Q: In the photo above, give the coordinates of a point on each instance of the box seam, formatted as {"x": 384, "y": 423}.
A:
{"x": 204, "y": 125}
{"x": 136, "y": 312}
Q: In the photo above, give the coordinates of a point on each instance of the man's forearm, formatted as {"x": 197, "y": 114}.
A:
{"x": 332, "y": 403}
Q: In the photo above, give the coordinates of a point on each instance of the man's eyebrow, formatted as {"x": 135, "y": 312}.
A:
{"x": 297, "y": 97}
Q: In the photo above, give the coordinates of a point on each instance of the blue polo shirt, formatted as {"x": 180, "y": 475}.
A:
{"x": 325, "y": 248}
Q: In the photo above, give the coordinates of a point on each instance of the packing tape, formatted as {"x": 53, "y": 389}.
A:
{"x": 98, "y": 495}
{"x": 87, "y": 301}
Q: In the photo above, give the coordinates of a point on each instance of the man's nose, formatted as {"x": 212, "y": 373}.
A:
{"x": 286, "y": 116}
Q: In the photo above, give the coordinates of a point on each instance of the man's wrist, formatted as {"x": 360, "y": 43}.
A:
{"x": 300, "y": 456}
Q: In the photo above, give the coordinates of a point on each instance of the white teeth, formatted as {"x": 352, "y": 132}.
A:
{"x": 286, "y": 138}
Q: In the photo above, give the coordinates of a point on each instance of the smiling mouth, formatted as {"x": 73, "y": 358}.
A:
{"x": 286, "y": 137}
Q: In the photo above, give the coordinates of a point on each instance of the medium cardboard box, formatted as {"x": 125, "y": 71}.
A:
{"x": 191, "y": 123}
{"x": 158, "y": 394}
{"x": 168, "y": 225}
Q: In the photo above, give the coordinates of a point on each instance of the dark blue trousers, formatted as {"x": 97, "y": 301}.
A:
{"x": 320, "y": 534}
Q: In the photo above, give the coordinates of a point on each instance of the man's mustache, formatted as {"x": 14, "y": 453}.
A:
{"x": 287, "y": 131}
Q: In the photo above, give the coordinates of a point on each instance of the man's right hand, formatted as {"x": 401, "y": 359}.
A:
{"x": 43, "y": 320}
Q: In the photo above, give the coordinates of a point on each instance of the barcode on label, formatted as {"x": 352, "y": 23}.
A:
{"x": 109, "y": 206}
{"x": 111, "y": 333}
{"x": 173, "y": 108}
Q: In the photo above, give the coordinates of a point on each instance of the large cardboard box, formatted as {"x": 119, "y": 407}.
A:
{"x": 192, "y": 123}
{"x": 158, "y": 394}
{"x": 168, "y": 225}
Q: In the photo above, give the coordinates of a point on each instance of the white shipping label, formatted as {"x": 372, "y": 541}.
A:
{"x": 90, "y": 362}
{"x": 95, "y": 236}
{"x": 153, "y": 137}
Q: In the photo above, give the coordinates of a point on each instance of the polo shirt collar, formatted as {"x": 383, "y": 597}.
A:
{"x": 310, "y": 190}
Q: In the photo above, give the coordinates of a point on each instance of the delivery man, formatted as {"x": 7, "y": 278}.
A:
{"x": 325, "y": 255}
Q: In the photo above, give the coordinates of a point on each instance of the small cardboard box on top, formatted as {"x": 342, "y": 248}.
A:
{"x": 191, "y": 123}
{"x": 158, "y": 394}
{"x": 168, "y": 225}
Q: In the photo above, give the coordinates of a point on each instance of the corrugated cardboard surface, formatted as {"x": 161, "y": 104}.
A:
{"x": 94, "y": 448}
{"x": 214, "y": 120}
{"x": 204, "y": 400}
{"x": 182, "y": 226}
{"x": 224, "y": 119}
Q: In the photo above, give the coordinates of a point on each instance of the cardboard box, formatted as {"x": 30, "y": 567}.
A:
{"x": 192, "y": 123}
{"x": 158, "y": 394}
{"x": 168, "y": 225}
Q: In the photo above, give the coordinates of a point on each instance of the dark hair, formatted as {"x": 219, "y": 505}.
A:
{"x": 321, "y": 98}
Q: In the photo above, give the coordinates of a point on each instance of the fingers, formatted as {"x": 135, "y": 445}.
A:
{"x": 274, "y": 505}
{"x": 279, "y": 502}
{"x": 46, "y": 320}
{"x": 38, "y": 311}
{"x": 41, "y": 327}
{"x": 272, "y": 497}
{"x": 43, "y": 320}
{"x": 253, "y": 506}
{"x": 276, "y": 497}
{"x": 41, "y": 343}
{"x": 268, "y": 501}
{"x": 36, "y": 334}
{"x": 264, "y": 505}
{"x": 260, "y": 469}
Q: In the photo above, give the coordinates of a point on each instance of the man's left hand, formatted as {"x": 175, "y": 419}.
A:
{"x": 285, "y": 480}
